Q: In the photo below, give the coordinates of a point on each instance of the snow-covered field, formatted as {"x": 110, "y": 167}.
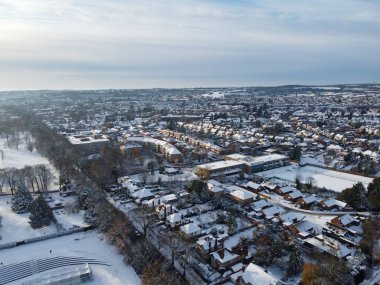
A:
{"x": 19, "y": 158}
{"x": 332, "y": 180}
{"x": 81, "y": 245}
{"x": 15, "y": 227}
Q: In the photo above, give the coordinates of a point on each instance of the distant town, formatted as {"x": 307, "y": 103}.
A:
{"x": 247, "y": 186}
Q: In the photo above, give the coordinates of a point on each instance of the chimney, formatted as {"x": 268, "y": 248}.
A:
{"x": 221, "y": 253}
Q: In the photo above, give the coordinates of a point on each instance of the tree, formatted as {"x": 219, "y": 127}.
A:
{"x": 11, "y": 176}
{"x": 41, "y": 214}
{"x": 374, "y": 194}
{"x": 150, "y": 166}
{"x": 298, "y": 182}
{"x": 355, "y": 196}
{"x": 175, "y": 245}
{"x": 310, "y": 182}
{"x": 295, "y": 154}
{"x": 198, "y": 189}
{"x": 295, "y": 262}
{"x": 158, "y": 273}
{"x": 44, "y": 176}
{"x": 311, "y": 275}
{"x": 3, "y": 182}
{"x": 145, "y": 219}
{"x": 141, "y": 254}
{"x": 21, "y": 200}
{"x": 370, "y": 236}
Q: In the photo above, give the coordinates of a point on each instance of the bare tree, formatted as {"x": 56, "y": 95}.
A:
{"x": 175, "y": 245}
{"x": 11, "y": 176}
{"x": 29, "y": 175}
{"x": 2, "y": 182}
{"x": 310, "y": 182}
{"x": 44, "y": 176}
{"x": 145, "y": 218}
{"x": 186, "y": 258}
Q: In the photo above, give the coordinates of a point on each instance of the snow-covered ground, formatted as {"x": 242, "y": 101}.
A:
{"x": 332, "y": 180}
{"x": 69, "y": 221}
{"x": 80, "y": 245}
{"x": 15, "y": 227}
{"x": 19, "y": 158}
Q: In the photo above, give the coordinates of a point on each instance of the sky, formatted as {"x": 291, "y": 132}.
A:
{"x": 97, "y": 44}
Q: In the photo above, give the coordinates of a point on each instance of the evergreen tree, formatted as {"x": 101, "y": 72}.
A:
{"x": 295, "y": 262}
{"x": 298, "y": 183}
{"x": 41, "y": 214}
{"x": 374, "y": 194}
{"x": 21, "y": 200}
{"x": 356, "y": 196}
{"x": 295, "y": 154}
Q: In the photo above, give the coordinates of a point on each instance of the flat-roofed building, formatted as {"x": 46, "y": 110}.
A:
{"x": 89, "y": 144}
{"x": 260, "y": 163}
{"x": 219, "y": 168}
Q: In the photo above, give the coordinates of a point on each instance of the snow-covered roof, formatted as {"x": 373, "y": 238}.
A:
{"x": 242, "y": 194}
{"x": 168, "y": 147}
{"x": 295, "y": 194}
{"x": 253, "y": 185}
{"x": 309, "y": 199}
{"x": 143, "y": 193}
{"x": 272, "y": 211}
{"x": 224, "y": 255}
{"x": 287, "y": 189}
{"x": 257, "y": 159}
{"x": 347, "y": 219}
{"x": 268, "y": 185}
{"x": 292, "y": 217}
{"x": 255, "y": 274}
{"x": 333, "y": 202}
{"x": 190, "y": 228}
{"x": 329, "y": 245}
{"x": 173, "y": 218}
{"x": 221, "y": 164}
{"x": 258, "y": 205}
{"x": 86, "y": 140}
{"x": 213, "y": 183}
{"x": 130, "y": 186}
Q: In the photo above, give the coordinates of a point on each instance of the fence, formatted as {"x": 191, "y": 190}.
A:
{"x": 45, "y": 237}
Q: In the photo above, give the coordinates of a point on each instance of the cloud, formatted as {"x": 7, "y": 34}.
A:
{"x": 95, "y": 44}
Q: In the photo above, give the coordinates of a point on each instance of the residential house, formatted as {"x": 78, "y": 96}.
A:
{"x": 256, "y": 275}
{"x": 331, "y": 204}
{"x": 293, "y": 196}
{"x": 307, "y": 202}
{"x": 241, "y": 196}
{"x": 224, "y": 259}
{"x": 190, "y": 230}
